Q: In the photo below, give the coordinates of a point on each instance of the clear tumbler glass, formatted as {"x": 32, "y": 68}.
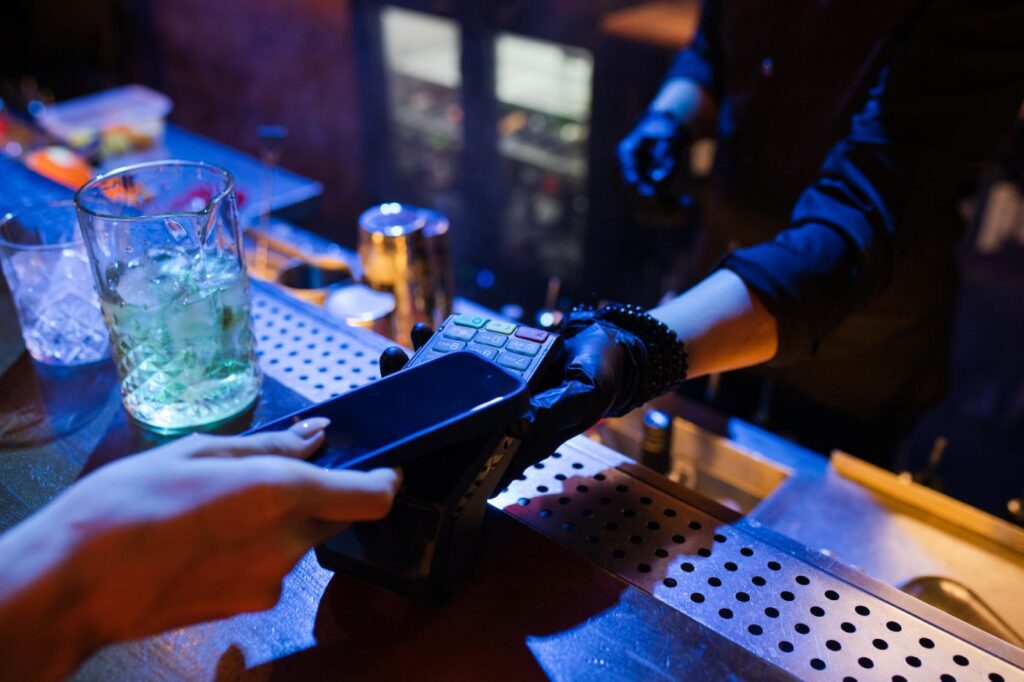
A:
{"x": 47, "y": 270}
{"x": 166, "y": 252}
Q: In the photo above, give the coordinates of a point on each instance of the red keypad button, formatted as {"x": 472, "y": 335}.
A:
{"x": 531, "y": 334}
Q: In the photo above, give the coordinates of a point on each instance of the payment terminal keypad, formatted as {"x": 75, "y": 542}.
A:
{"x": 491, "y": 339}
{"x": 447, "y": 345}
{"x": 521, "y": 347}
{"x": 518, "y": 349}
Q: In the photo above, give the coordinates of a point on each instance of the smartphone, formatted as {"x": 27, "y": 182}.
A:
{"x": 395, "y": 420}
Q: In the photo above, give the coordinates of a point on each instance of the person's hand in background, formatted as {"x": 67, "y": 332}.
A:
{"x": 202, "y": 528}
{"x": 651, "y": 153}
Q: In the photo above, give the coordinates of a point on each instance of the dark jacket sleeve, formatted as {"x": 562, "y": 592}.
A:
{"x": 951, "y": 86}
{"x": 701, "y": 60}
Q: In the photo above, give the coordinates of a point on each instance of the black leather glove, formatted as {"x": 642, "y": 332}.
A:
{"x": 603, "y": 364}
{"x": 615, "y": 359}
{"x": 394, "y": 358}
{"x": 650, "y": 154}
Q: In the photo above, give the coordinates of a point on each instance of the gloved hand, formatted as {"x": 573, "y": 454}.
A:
{"x": 650, "y": 154}
{"x": 602, "y": 372}
{"x": 394, "y": 358}
{"x": 606, "y": 370}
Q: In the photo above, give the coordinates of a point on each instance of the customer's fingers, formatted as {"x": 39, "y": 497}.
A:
{"x": 300, "y": 441}
{"x": 318, "y": 531}
{"x": 352, "y": 495}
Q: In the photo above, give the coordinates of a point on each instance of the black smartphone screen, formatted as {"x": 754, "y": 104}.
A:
{"x": 410, "y": 410}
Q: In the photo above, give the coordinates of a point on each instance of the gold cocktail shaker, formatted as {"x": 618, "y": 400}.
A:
{"x": 404, "y": 252}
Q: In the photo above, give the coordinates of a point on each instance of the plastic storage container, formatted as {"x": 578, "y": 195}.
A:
{"x": 111, "y": 122}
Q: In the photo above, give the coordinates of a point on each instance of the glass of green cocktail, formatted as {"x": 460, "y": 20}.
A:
{"x": 165, "y": 248}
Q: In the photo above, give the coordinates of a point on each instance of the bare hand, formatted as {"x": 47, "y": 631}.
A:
{"x": 202, "y": 528}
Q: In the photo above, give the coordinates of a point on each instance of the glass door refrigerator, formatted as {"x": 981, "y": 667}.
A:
{"x": 485, "y": 111}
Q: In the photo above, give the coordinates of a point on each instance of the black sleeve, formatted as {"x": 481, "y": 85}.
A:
{"x": 951, "y": 86}
{"x": 701, "y": 60}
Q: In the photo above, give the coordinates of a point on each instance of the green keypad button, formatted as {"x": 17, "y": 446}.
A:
{"x": 474, "y": 321}
{"x": 500, "y": 327}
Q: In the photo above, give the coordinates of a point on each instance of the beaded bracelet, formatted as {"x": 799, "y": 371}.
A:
{"x": 666, "y": 362}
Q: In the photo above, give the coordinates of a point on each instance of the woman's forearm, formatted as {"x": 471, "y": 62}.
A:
{"x": 723, "y": 325}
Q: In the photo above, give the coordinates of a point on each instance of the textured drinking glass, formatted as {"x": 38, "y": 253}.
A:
{"x": 47, "y": 270}
{"x": 166, "y": 252}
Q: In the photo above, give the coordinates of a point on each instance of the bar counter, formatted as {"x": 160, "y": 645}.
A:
{"x": 591, "y": 567}
{"x": 66, "y": 423}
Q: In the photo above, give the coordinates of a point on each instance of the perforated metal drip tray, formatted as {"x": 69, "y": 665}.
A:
{"x": 304, "y": 349}
{"x": 801, "y": 611}
{"x": 788, "y": 609}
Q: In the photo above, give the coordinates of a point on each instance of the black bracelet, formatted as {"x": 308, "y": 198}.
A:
{"x": 666, "y": 362}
